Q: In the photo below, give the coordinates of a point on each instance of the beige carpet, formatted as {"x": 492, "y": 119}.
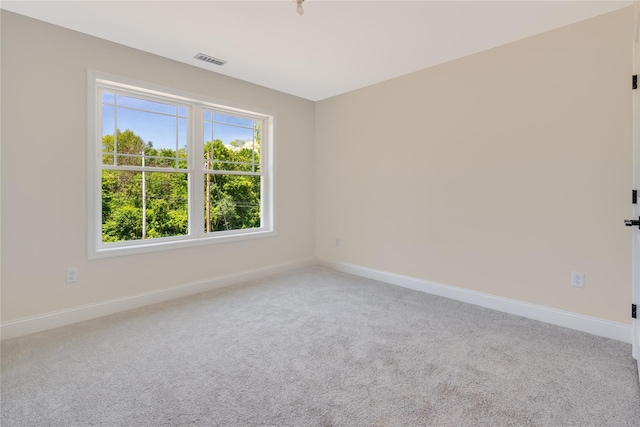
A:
{"x": 314, "y": 347}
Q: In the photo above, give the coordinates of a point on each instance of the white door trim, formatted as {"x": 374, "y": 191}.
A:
{"x": 636, "y": 182}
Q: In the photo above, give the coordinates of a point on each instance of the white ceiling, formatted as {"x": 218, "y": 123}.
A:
{"x": 337, "y": 46}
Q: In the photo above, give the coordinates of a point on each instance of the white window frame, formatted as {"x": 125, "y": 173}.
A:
{"x": 196, "y": 235}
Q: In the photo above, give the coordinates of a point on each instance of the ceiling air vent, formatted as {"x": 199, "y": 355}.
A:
{"x": 210, "y": 59}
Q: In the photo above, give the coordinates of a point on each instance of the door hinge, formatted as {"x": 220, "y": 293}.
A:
{"x": 634, "y": 82}
{"x": 634, "y": 197}
{"x": 634, "y": 311}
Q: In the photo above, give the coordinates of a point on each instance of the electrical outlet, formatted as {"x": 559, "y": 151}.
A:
{"x": 577, "y": 279}
{"x": 72, "y": 275}
{"x": 337, "y": 242}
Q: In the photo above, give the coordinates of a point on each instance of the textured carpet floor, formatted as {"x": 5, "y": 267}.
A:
{"x": 314, "y": 347}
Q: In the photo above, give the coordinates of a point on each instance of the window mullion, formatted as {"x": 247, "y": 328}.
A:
{"x": 196, "y": 178}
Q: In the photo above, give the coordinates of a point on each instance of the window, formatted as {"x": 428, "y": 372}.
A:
{"x": 169, "y": 169}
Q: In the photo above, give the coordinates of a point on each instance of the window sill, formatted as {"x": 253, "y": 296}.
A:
{"x": 171, "y": 243}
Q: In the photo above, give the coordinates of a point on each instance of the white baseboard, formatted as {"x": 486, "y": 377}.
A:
{"x": 29, "y": 325}
{"x": 580, "y": 322}
{"x": 592, "y": 325}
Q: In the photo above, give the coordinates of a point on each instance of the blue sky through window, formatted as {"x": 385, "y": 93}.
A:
{"x": 227, "y": 128}
{"x": 165, "y": 125}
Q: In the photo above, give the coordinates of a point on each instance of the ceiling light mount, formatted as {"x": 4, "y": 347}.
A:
{"x": 299, "y": 9}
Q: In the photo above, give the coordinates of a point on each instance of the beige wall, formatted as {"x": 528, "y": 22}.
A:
{"x": 44, "y": 148}
{"x": 501, "y": 172}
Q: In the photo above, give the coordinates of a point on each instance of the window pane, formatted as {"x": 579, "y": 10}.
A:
{"x": 231, "y": 146}
{"x": 208, "y": 131}
{"x": 121, "y": 206}
{"x": 158, "y": 130}
{"x": 232, "y": 202}
{"x": 167, "y": 204}
{"x": 108, "y": 98}
{"x": 232, "y": 120}
{"x": 107, "y": 150}
{"x": 108, "y": 120}
{"x": 107, "y": 159}
{"x": 182, "y": 132}
{"x": 143, "y": 133}
{"x": 233, "y": 136}
{"x": 164, "y": 207}
{"x": 227, "y": 158}
{"x": 143, "y": 104}
{"x": 182, "y": 158}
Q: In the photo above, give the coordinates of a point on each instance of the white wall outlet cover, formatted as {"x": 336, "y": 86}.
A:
{"x": 72, "y": 275}
{"x": 577, "y": 279}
